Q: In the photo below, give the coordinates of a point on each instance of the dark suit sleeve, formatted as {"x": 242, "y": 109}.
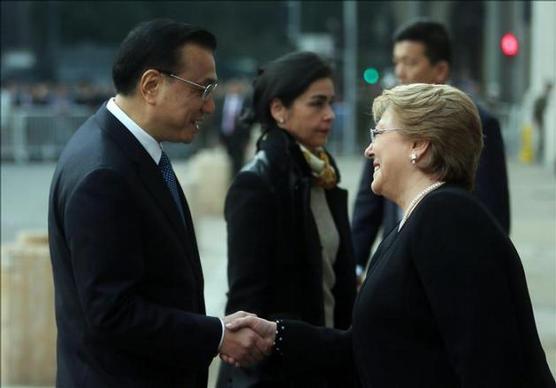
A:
{"x": 491, "y": 182}
{"x": 104, "y": 236}
{"x": 250, "y": 214}
{"x": 367, "y": 217}
{"x": 310, "y": 348}
{"x": 476, "y": 288}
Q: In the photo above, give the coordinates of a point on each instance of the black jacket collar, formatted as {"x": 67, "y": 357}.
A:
{"x": 281, "y": 146}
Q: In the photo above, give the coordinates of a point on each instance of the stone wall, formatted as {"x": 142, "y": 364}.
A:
{"x": 28, "y": 323}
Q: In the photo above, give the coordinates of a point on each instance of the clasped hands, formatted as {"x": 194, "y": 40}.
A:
{"x": 247, "y": 339}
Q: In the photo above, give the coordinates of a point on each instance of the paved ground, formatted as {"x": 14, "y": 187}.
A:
{"x": 24, "y": 196}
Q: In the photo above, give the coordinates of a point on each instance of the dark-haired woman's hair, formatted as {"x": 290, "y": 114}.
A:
{"x": 154, "y": 45}
{"x": 285, "y": 78}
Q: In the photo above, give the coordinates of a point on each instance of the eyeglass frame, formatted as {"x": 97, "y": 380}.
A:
{"x": 207, "y": 90}
{"x": 374, "y": 132}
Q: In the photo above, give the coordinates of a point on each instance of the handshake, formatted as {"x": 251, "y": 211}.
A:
{"x": 247, "y": 339}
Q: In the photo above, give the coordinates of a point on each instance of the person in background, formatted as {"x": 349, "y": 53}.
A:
{"x": 422, "y": 53}
{"x": 128, "y": 282}
{"x": 445, "y": 301}
{"x": 233, "y": 134}
{"x": 539, "y": 107}
{"x": 289, "y": 245}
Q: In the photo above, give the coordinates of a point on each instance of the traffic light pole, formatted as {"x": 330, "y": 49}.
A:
{"x": 492, "y": 50}
{"x": 350, "y": 77}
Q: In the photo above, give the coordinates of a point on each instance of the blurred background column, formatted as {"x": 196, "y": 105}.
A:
{"x": 492, "y": 58}
{"x": 506, "y": 72}
{"x": 52, "y": 48}
{"x": 403, "y": 11}
{"x": 350, "y": 76}
{"x": 519, "y": 25}
{"x": 294, "y": 21}
{"x": 506, "y": 76}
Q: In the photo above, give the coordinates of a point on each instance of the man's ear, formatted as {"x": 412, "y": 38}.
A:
{"x": 442, "y": 72}
{"x": 149, "y": 85}
{"x": 278, "y": 111}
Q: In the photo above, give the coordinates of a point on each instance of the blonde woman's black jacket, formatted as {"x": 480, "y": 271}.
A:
{"x": 274, "y": 251}
{"x": 444, "y": 304}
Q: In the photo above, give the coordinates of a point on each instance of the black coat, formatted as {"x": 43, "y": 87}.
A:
{"x": 371, "y": 211}
{"x": 274, "y": 252}
{"x": 444, "y": 305}
{"x": 128, "y": 280}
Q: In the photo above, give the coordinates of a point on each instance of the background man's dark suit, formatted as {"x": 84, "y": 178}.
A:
{"x": 129, "y": 286}
{"x": 491, "y": 188}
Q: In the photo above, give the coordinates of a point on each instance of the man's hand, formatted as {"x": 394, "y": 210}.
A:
{"x": 236, "y": 315}
{"x": 244, "y": 347}
{"x": 265, "y": 332}
{"x": 266, "y": 329}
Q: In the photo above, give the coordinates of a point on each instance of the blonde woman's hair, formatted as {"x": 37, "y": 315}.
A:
{"x": 446, "y": 118}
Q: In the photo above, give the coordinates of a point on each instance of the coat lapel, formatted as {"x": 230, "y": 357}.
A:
{"x": 191, "y": 242}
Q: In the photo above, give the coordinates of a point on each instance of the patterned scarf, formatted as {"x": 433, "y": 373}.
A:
{"x": 324, "y": 174}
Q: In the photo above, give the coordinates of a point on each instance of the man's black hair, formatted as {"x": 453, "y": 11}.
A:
{"x": 432, "y": 35}
{"x": 154, "y": 44}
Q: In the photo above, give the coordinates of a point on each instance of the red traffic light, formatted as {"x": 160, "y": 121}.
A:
{"x": 509, "y": 45}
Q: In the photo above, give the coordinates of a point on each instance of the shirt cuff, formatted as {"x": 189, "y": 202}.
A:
{"x": 222, "y": 336}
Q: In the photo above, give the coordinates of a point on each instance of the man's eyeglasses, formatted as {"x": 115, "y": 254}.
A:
{"x": 207, "y": 90}
{"x": 374, "y": 132}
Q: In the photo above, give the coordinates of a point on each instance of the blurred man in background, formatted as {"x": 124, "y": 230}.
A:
{"x": 233, "y": 133}
{"x": 539, "y": 108}
{"x": 422, "y": 53}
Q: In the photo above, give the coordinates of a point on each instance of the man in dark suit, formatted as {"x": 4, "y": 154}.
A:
{"x": 129, "y": 286}
{"x": 422, "y": 53}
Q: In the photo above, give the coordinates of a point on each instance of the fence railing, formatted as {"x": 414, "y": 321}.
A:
{"x": 38, "y": 133}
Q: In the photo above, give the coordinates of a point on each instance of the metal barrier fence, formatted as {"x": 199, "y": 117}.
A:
{"x": 38, "y": 133}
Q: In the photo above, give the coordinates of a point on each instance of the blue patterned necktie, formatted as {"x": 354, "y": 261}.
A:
{"x": 171, "y": 181}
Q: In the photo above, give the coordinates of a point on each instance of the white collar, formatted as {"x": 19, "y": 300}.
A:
{"x": 147, "y": 141}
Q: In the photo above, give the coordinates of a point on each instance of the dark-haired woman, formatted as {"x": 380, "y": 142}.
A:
{"x": 289, "y": 244}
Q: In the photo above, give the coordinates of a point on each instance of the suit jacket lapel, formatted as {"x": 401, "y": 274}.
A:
{"x": 146, "y": 168}
{"x": 191, "y": 240}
